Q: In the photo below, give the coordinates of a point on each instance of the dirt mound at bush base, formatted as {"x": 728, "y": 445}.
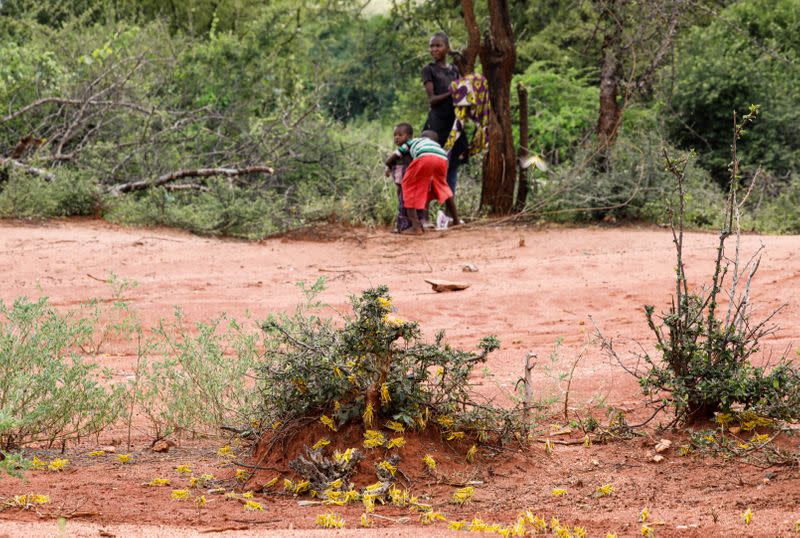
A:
{"x": 275, "y": 450}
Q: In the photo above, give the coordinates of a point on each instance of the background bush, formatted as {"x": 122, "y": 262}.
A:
{"x": 314, "y": 90}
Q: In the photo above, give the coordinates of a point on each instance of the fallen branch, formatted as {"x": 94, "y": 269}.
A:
{"x": 29, "y": 169}
{"x": 180, "y": 174}
{"x": 74, "y": 102}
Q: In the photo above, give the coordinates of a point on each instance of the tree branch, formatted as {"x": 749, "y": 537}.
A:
{"x": 180, "y": 174}
{"x": 643, "y": 82}
{"x": 73, "y": 102}
{"x": 29, "y": 169}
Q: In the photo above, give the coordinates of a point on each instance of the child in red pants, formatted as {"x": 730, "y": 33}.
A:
{"x": 427, "y": 174}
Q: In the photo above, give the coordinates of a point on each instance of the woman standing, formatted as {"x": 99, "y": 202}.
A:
{"x": 437, "y": 76}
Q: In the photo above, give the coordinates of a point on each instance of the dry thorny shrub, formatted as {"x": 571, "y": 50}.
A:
{"x": 707, "y": 338}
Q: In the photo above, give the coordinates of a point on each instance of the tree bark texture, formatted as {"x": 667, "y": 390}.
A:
{"x": 610, "y": 115}
{"x": 522, "y": 185}
{"x": 473, "y": 36}
{"x": 498, "y": 56}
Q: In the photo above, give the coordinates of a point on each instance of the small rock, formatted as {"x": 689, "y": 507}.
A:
{"x": 769, "y": 475}
{"x": 470, "y": 268}
{"x": 657, "y": 458}
{"x": 663, "y": 445}
{"x": 108, "y": 448}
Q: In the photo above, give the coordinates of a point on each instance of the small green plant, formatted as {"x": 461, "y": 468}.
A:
{"x": 373, "y": 369}
{"x": 99, "y": 323}
{"x": 11, "y": 463}
{"x": 707, "y": 337}
{"x": 201, "y": 383}
{"x": 47, "y": 392}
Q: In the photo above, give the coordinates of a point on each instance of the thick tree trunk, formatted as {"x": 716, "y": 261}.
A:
{"x": 522, "y": 185}
{"x": 498, "y": 57}
{"x": 610, "y": 116}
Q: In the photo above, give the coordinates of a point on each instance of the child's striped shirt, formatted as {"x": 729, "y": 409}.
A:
{"x": 417, "y": 147}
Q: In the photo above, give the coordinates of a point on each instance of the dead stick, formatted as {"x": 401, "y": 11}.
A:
{"x": 561, "y": 442}
{"x": 225, "y": 529}
{"x": 180, "y": 174}
{"x": 530, "y": 364}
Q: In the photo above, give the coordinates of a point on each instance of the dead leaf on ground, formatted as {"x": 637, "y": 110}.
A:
{"x": 445, "y": 285}
{"x": 663, "y": 445}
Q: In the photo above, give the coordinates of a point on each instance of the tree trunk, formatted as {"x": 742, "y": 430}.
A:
{"x": 610, "y": 115}
{"x": 498, "y": 57}
{"x": 473, "y": 36}
{"x": 522, "y": 185}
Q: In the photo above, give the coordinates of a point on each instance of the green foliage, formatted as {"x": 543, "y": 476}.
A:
{"x": 562, "y": 34}
{"x": 249, "y": 213}
{"x": 778, "y": 214}
{"x": 374, "y": 367}
{"x": 562, "y": 107}
{"x": 709, "y": 371}
{"x": 48, "y": 393}
{"x": 312, "y": 89}
{"x": 28, "y": 196}
{"x": 750, "y": 54}
{"x": 11, "y": 464}
{"x": 201, "y": 383}
{"x": 636, "y": 187}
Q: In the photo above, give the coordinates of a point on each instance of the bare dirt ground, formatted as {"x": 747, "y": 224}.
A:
{"x": 534, "y": 287}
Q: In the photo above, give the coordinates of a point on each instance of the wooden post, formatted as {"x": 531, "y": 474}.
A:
{"x": 522, "y": 181}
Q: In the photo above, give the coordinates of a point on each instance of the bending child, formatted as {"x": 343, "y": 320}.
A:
{"x": 426, "y": 175}
{"x": 402, "y": 134}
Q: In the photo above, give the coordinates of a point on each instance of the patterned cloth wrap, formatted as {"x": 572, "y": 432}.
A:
{"x": 471, "y": 101}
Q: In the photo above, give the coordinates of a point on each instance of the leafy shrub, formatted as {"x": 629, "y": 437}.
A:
{"x": 222, "y": 210}
{"x": 705, "y": 370}
{"x": 201, "y": 383}
{"x": 635, "y": 187}
{"x": 373, "y": 367}
{"x": 26, "y": 196}
{"x": 779, "y": 214}
{"x": 47, "y": 392}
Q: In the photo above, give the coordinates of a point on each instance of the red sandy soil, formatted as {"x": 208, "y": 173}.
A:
{"x": 534, "y": 287}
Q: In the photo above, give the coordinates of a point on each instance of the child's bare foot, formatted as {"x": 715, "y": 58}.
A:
{"x": 412, "y": 231}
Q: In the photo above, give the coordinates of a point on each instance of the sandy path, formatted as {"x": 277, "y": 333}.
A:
{"x": 530, "y": 296}
{"x": 533, "y": 287}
